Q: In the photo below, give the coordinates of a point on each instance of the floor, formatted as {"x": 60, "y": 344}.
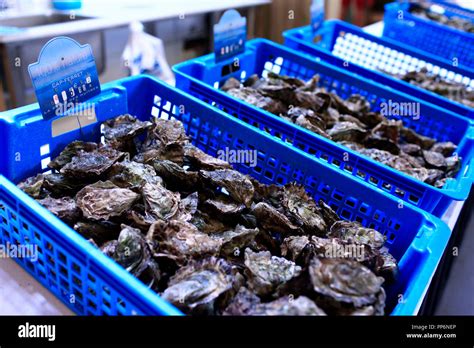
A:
{"x": 457, "y": 297}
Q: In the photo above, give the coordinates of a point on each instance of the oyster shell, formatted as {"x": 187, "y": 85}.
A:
{"x": 103, "y": 200}
{"x": 60, "y": 185}
{"x": 242, "y": 303}
{"x": 303, "y": 209}
{"x": 198, "y": 159}
{"x": 201, "y": 287}
{"x": 271, "y": 219}
{"x": 181, "y": 241}
{"x": 120, "y": 132}
{"x": 165, "y": 140}
{"x": 235, "y": 241}
{"x": 266, "y": 272}
{"x": 33, "y": 186}
{"x": 160, "y": 203}
{"x": 176, "y": 177}
{"x": 345, "y": 281}
{"x": 252, "y": 96}
{"x": 133, "y": 253}
{"x": 434, "y": 159}
{"x": 99, "y": 231}
{"x": 87, "y": 165}
{"x": 346, "y": 131}
{"x": 287, "y": 306}
{"x": 70, "y": 151}
{"x": 236, "y": 184}
{"x": 353, "y": 232}
{"x": 293, "y": 247}
{"x": 133, "y": 175}
{"x": 64, "y": 208}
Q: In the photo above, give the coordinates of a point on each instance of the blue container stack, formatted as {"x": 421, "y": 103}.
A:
{"x": 450, "y": 43}
{"x": 69, "y": 265}
{"x": 340, "y": 43}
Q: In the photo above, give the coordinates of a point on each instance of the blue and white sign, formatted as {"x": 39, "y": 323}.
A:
{"x": 317, "y": 14}
{"x": 64, "y": 76}
{"x": 230, "y": 35}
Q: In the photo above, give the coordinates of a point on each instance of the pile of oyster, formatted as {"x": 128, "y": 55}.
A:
{"x": 425, "y": 10}
{"x": 207, "y": 238}
{"x": 351, "y": 123}
{"x": 453, "y": 90}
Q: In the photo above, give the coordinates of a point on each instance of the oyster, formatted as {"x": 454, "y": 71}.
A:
{"x": 198, "y": 159}
{"x": 207, "y": 223}
{"x": 235, "y": 241}
{"x": 266, "y": 272}
{"x": 165, "y": 141}
{"x": 346, "y": 131}
{"x": 231, "y": 83}
{"x": 60, "y": 185}
{"x": 120, "y": 132}
{"x": 181, "y": 241}
{"x": 133, "y": 253}
{"x": 293, "y": 247}
{"x": 224, "y": 206}
{"x": 328, "y": 214}
{"x": 272, "y": 220}
{"x": 338, "y": 248}
{"x": 253, "y": 97}
{"x": 301, "y": 208}
{"x": 345, "y": 281}
{"x": 103, "y": 200}
{"x": 444, "y": 148}
{"x": 133, "y": 175}
{"x": 287, "y": 306}
{"x": 353, "y": 232}
{"x": 386, "y": 265}
{"x": 64, "y": 208}
{"x": 242, "y": 303}
{"x": 201, "y": 287}
{"x": 160, "y": 203}
{"x": 33, "y": 186}
{"x": 412, "y": 137}
{"x": 236, "y": 184}
{"x": 176, "y": 177}
{"x": 86, "y": 165}
{"x": 434, "y": 159}
{"x": 99, "y": 231}
{"x": 70, "y": 151}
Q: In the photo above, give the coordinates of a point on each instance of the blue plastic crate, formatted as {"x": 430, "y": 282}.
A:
{"x": 370, "y": 54}
{"x": 455, "y": 9}
{"x": 427, "y": 35}
{"x": 202, "y": 77}
{"x": 68, "y": 264}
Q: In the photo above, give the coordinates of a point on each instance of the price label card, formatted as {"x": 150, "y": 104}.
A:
{"x": 317, "y": 14}
{"x": 64, "y": 76}
{"x": 230, "y": 35}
